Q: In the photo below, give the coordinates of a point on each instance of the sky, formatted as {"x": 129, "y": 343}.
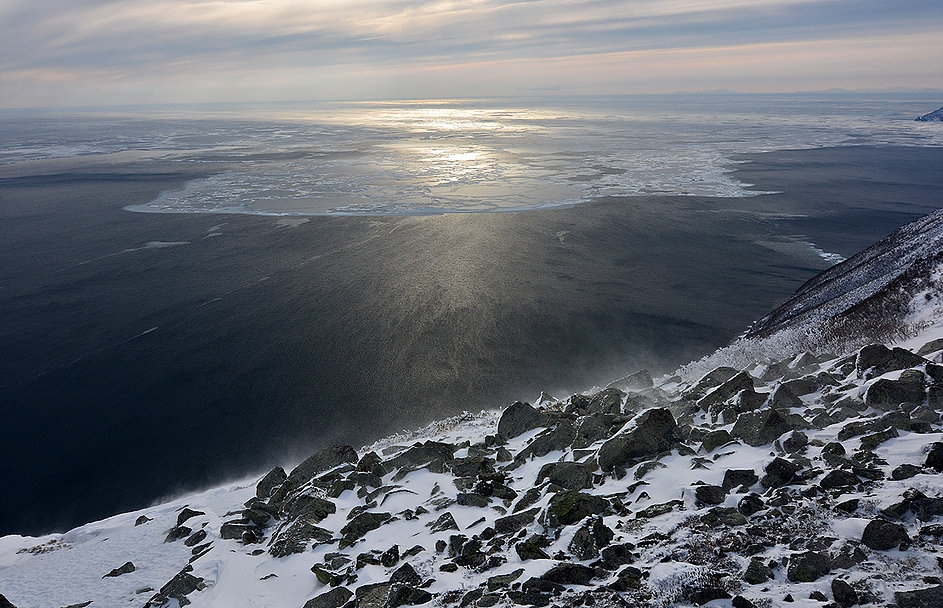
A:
{"x": 116, "y": 52}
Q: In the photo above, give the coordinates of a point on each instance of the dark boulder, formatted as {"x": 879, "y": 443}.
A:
{"x": 639, "y": 381}
{"x": 838, "y": 478}
{"x": 608, "y": 401}
{"x": 708, "y": 594}
{"x": 931, "y": 597}
{"x": 739, "y": 478}
{"x": 844, "y": 594}
{"x": 512, "y": 524}
{"x": 519, "y": 418}
{"x": 567, "y": 508}
{"x": 655, "y": 431}
{"x": 714, "y": 439}
{"x": 361, "y": 524}
{"x": 319, "y": 462}
{"x": 935, "y": 457}
{"x": 808, "y": 566}
{"x": 297, "y": 538}
{"x": 568, "y": 475}
{"x": 335, "y": 598}
{"x": 711, "y": 380}
{"x": 726, "y": 391}
{"x": 779, "y": 472}
{"x": 272, "y": 480}
{"x": 5, "y": 603}
{"x": 710, "y": 495}
{"x": 884, "y": 535}
{"x": 888, "y": 394}
{"x": 750, "y": 504}
{"x": 432, "y": 455}
{"x": 532, "y": 547}
{"x": 443, "y": 523}
{"x": 569, "y": 574}
{"x": 590, "y": 539}
{"x": 559, "y": 437}
{"x": 590, "y": 429}
{"x": 760, "y": 428}
{"x": 127, "y": 568}
{"x": 877, "y": 359}
{"x": 628, "y": 578}
{"x": 180, "y": 586}
{"x": 757, "y": 572}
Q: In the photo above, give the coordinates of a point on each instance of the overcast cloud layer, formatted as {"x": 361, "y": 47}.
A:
{"x": 79, "y": 52}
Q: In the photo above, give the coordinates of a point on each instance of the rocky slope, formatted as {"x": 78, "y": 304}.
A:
{"x": 934, "y": 116}
{"x": 810, "y": 480}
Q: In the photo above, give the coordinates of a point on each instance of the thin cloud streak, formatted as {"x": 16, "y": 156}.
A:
{"x": 164, "y": 50}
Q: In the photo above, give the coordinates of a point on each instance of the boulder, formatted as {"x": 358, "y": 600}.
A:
{"x": 570, "y": 507}
{"x": 935, "y": 457}
{"x": 779, "y": 472}
{"x": 559, "y": 437}
{"x": 628, "y": 578}
{"x": 750, "y": 504}
{"x": 638, "y": 381}
{"x": 655, "y": 431}
{"x": 738, "y": 478}
{"x": 808, "y": 566}
{"x": 272, "y": 480}
{"x": 361, "y": 524}
{"x": 512, "y": 524}
{"x": 569, "y": 574}
{"x": 757, "y": 572}
{"x": 432, "y": 455}
{"x": 324, "y": 460}
{"x": 884, "y": 535}
{"x": 763, "y": 427}
{"x": 876, "y": 359}
{"x": 590, "y": 429}
{"x": 297, "y": 538}
{"x": 726, "y": 391}
{"x": 711, "y": 380}
{"x": 590, "y": 539}
{"x": 844, "y": 594}
{"x": 127, "y": 568}
{"x": 931, "y": 597}
{"x": 714, "y": 439}
{"x": 568, "y": 475}
{"x": 335, "y": 598}
{"x": 838, "y": 478}
{"x": 710, "y": 495}
{"x": 889, "y": 394}
{"x": 608, "y": 401}
{"x": 519, "y": 418}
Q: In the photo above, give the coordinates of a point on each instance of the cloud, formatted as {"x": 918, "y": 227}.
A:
{"x": 163, "y": 48}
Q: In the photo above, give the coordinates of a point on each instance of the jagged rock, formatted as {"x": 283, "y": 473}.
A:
{"x": 590, "y": 539}
{"x": 187, "y": 513}
{"x": 795, "y": 442}
{"x": 710, "y": 495}
{"x": 335, "y": 598}
{"x": 714, "y": 439}
{"x": 126, "y": 568}
{"x": 519, "y": 418}
{"x": 838, "y": 478}
{"x": 140, "y": 521}
{"x": 180, "y": 586}
{"x": 876, "y": 359}
{"x": 296, "y": 538}
{"x": 750, "y": 504}
{"x": 473, "y": 466}
{"x": 614, "y": 556}
{"x": 569, "y": 574}
{"x": 795, "y": 388}
{"x": 870, "y": 442}
{"x": 931, "y": 597}
{"x": 844, "y": 594}
{"x": 760, "y": 428}
{"x": 371, "y": 463}
{"x": 757, "y": 572}
{"x": 741, "y": 602}
{"x": 443, "y": 523}
{"x": 373, "y": 595}
{"x": 432, "y": 455}
{"x": 177, "y": 533}
{"x": 887, "y": 394}
{"x": 739, "y": 478}
{"x": 742, "y": 381}
{"x": 569, "y": 507}
{"x": 779, "y": 472}
{"x": 568, "y": 475}
{"x": 590, "y": 429}
{"x": 512, "y": 524}
{"x": 361, "y": 524}
{"x": 723, "y": 516}
{"x": 196, "y": 538}
{"x": 905, "y": 471}
{"x": 784, "y": 398}
{"x": 501, "y": 581}
{"x": 628, "y": 578}
{"x": 930, "y": 347}
{"x": 269, "y": 482}
{"x": 808, "y": 566}
{"x": 559, "y": 437}
{"x": 608, "y": 401}
{"x": 5, "y": 603}
{"x": 532, "y": 547}
{"x": 883, "y": 535}
{"x": 935, "y": 457}
{"x": 655, "y": 431}
{"x": 711, "y": 380}
{"x": 659, "y": 509}
{"x": 467, "y": 499}
{"x": 311, "y": 508}
{"x": 321, "y": 461}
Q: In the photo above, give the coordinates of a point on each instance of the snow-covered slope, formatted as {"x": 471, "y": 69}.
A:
{"x": 813, "y": 479}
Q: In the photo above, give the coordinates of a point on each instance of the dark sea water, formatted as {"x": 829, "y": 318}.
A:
{"x": 145, "y": 354}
